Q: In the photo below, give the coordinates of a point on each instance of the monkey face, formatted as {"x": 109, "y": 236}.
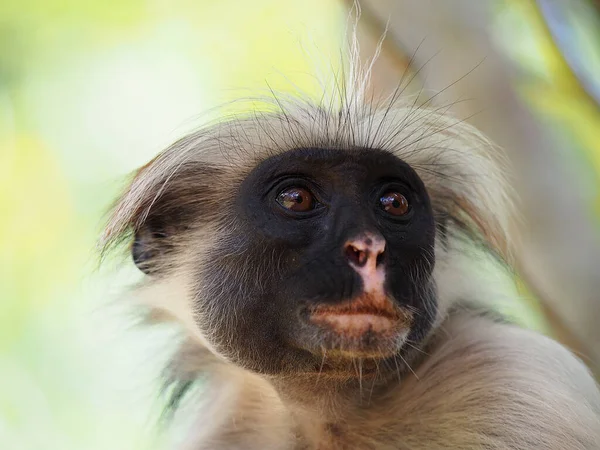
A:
{"x": 328, "y": 257}
{"x": 318, "y": 259}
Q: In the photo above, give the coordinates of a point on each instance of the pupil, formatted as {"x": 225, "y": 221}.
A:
{"x": 396, "y": 203}
{"x": 299, "y": 199}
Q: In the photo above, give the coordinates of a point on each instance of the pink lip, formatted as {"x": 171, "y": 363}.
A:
{"x": 368, "y": 312}
{"x": 355, "y": 323}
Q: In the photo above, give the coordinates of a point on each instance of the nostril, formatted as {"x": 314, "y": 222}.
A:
{"x": 356, "y": 256}
{"x": 366, "y": 250}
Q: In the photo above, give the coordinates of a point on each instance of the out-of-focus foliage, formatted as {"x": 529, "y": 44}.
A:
{"x": 558, "y": 52}
{"x": 555, "y": 46}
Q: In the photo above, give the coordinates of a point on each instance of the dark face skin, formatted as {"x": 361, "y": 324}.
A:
{"x": 294, "y": 216}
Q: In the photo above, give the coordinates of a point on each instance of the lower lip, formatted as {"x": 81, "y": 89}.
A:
{"x": 352, "y": 324}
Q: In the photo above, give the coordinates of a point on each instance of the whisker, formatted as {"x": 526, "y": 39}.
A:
{"x": 322, "y": 364}
{"x": 416, "y": 348}
{"x": 408, "y": 365}
{"x": 360, "y": 377}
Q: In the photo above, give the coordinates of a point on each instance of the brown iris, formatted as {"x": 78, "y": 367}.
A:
{"x": 394, "y": 203}
{"x": 296, "y": 199}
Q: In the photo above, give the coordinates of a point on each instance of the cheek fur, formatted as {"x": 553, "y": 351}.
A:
{"x": 242, "y": 318}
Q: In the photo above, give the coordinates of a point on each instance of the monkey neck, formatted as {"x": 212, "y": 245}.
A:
{"x": 322, "y": 412}
{"x": 331, "y": 396}
{"x": 319, "y": 407}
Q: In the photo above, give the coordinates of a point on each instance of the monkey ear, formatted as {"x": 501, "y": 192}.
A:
{"x": 165, "y": 200}
{"x": 144, "y": 249}
{"x": 151, "y": 244}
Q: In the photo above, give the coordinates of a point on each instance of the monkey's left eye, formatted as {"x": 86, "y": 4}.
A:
{"x": 394, "y": 203}
{"x": 296, "y": 199}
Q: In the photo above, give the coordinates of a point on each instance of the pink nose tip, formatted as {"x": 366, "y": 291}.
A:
{"x": 366, "y": 250}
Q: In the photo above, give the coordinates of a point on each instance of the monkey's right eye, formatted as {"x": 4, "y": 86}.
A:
{"x": 296, "y": 199}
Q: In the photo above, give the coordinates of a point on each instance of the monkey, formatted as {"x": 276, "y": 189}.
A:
{"x": 315, "y": 257}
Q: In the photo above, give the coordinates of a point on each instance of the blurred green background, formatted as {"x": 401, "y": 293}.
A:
{"x": 90, "y": 90}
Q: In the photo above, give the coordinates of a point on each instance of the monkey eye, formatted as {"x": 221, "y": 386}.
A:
{"x": 296, "y": 199}
{"x": 394, "y": 203}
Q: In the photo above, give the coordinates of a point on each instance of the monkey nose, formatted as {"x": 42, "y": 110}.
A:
{"x": 365, "y": 254}
{"x": 366, "y": 251}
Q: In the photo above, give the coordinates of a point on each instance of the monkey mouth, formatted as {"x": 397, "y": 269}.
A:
{"x": 368, "y": 311}
{"x": 360, "y": 315}
{"x": 367, "y": 326}
{"x": 354, "y": 322}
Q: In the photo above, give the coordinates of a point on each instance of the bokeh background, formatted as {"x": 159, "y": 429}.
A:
{"x": 90, "y": 90}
